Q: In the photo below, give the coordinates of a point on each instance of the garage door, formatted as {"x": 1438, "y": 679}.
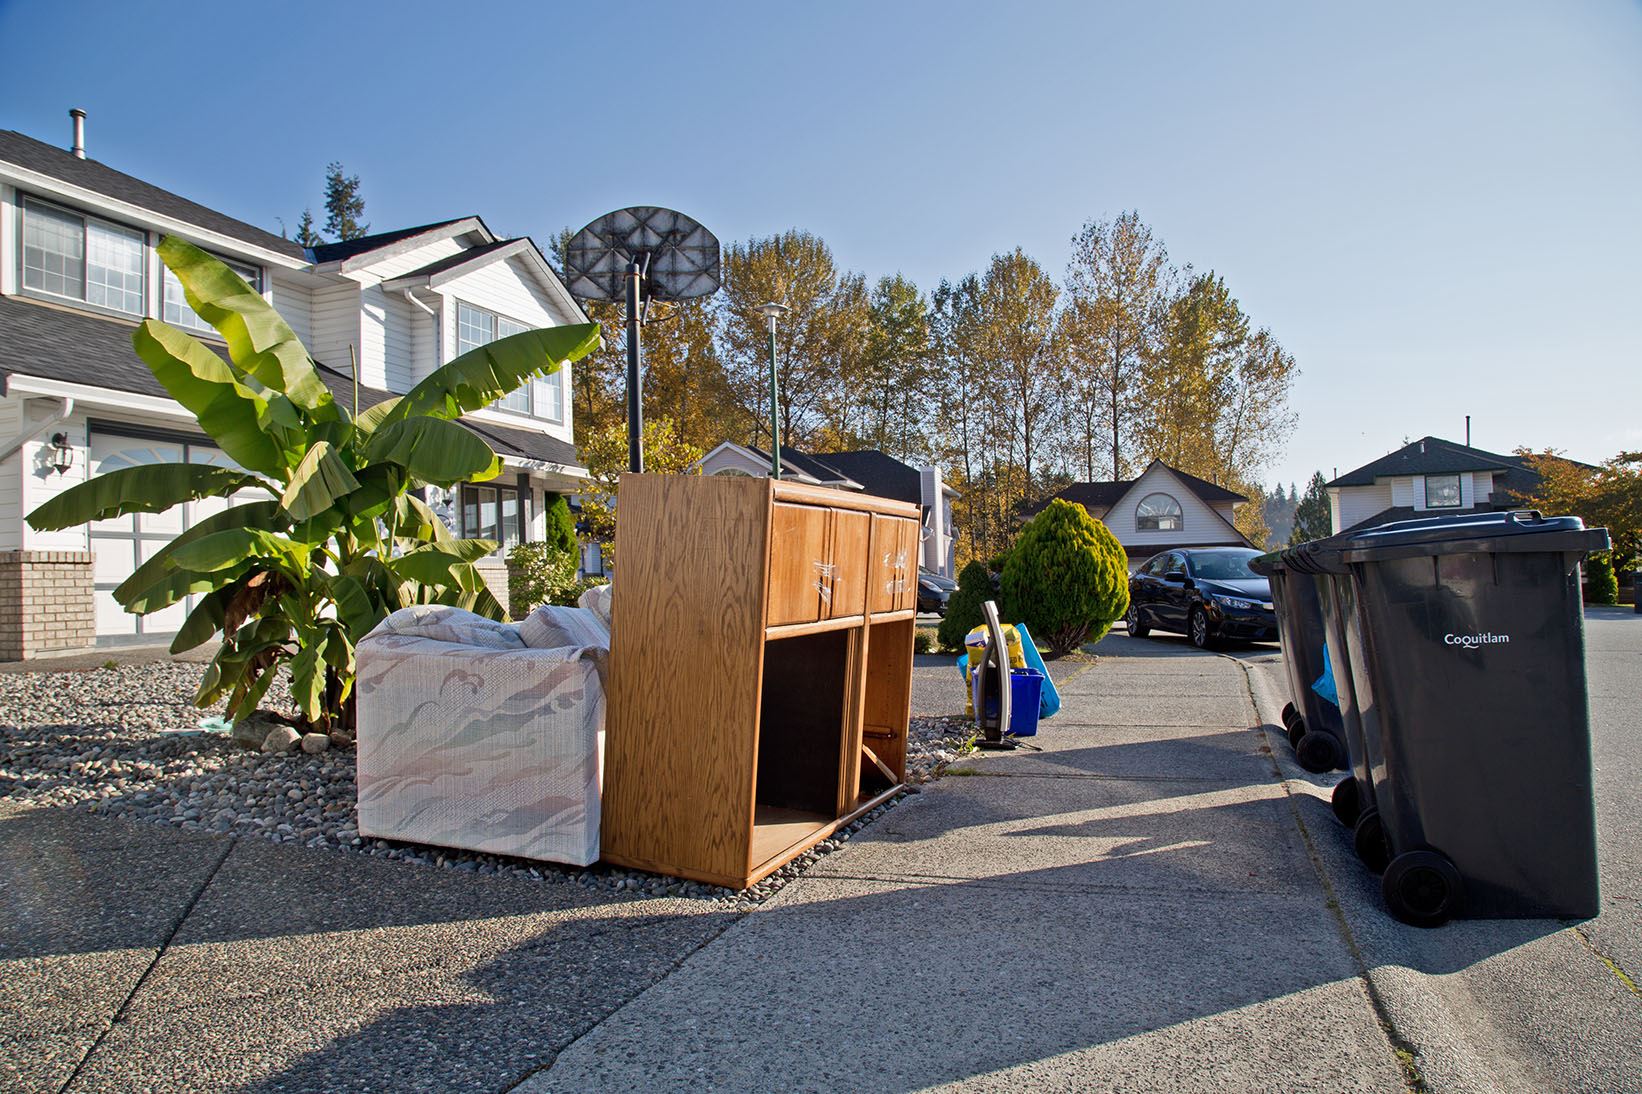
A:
{"x": 120, "y": 545}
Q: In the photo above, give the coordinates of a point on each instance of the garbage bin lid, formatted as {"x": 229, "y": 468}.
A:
{"x": 1269, "y": 563}
{"x": 1494, "y": 532}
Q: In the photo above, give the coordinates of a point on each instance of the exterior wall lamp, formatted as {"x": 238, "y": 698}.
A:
{"x": 62, "y": 453}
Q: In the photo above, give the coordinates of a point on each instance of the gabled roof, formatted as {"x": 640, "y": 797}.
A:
{"x": 75, "y": 347}
{"x": 878, "y": 473}
{"x": 1430, "y": 456}
{"x": 1104, "y": 495}
{"x": 99, "y": 178}
{"x": 448, "y": 264}
{"x": 344, "y": 249}
{"x": 807, "y": 466}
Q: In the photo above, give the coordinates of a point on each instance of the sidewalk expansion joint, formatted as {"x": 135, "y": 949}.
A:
{"x": 1613, "y": 966}
{"x": 176, "y": 925}
{"x": 621, "y": 1004}
{"x": 1406, "y": 1053}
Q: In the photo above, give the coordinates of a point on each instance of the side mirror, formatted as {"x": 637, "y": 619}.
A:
{"x": 1176, "y": 576}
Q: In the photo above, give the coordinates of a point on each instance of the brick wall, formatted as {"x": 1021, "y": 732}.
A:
{"x": 47, "y": 603}
{"x": 494, "y": 571}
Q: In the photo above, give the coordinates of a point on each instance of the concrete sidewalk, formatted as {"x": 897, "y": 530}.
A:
{"x": 1132, "y": 908}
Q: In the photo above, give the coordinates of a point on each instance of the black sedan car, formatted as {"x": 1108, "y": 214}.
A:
{"x": 934, "y": 590}
{"x": 1204, "y": 593}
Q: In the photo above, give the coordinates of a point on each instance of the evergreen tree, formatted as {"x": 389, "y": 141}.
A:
{"x": 343, "y": 205}
{"x": 306, "y": 234}
{"x": 1311, "y": 516}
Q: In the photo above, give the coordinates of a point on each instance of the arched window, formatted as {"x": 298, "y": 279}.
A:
{"x": 1158, "y": 513}
{"x": 735, "y": 471}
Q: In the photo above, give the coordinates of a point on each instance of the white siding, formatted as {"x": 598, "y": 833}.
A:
{"x": 1482, "y": 487}
{"x": 1200, "y": 524}
{"x": 398, "y": 265}
{"x": 1334, "y": 510}
{"x": 42, "y": 482}
{"x": 506, "y": 289}
{"x": 8, "y": 242}
{"x": 335, "y": 324}
{"x": 11, "y": 477}
{"x": 1357, "y": 503}
{"x": 376, "y": 370}
{"x": 1402, "y": 491}
{"x": 291, "y": 301}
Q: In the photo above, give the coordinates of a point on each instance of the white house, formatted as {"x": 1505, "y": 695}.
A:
{"x": 1162, "y": 510}
{"x": 78, "y": 270}
{"x": 867, "y": 470}
{"x": 1427, "y": 477}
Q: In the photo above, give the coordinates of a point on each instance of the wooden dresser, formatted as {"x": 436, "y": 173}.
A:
{"x": 760, "y": 670}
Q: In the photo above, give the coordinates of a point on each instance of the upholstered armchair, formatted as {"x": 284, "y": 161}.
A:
{"x": 483, "y": 735}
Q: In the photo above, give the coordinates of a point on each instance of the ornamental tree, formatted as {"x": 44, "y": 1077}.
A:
{"x": 1067, "y": 578}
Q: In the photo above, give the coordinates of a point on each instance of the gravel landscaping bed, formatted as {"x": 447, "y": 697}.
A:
{"x": 106, "y": 741}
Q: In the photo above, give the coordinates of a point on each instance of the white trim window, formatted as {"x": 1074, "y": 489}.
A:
{"x": 1443, "y": 492}
{"x": 543, "y": 397}
{"x": 1159, "y": 513}
{"x": 81, "y": 258}
{"x": 493, "y": 512}
{"x": 174, "y": 307}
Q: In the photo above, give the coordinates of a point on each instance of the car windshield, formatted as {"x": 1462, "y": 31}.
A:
{"x": 1226, "y": 566}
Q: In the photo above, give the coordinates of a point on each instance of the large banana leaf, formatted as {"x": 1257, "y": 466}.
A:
{"x": 434, "y": 451}
{"x": 318, "y": 481}
{"x": 258, "y": 431}
{"x": 457, "y": 580}
{"x": 481, "y": 376}
{"x": 258, "y": 340}
{"x": 228, "y": 549}
{"x": 158, "y": 583}
{"x": 355, "y": 607}
{"x": 205, "y": 620}
{"x": 152, "y": 488}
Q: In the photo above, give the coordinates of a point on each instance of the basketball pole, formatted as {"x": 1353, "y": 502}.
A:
{"x": 635, "y": 411}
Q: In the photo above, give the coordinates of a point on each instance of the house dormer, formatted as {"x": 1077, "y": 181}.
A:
{"x": 1427, "y": 477}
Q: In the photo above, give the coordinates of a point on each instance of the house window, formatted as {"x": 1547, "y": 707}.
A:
{"x": 542, "y": 397}
{"x": 1442, "y": 491}
{"x": 492, "y": 512}
{"x": 1158, "y": 513}
{"x": 66, "y": 254}
{"x": 174, "y": 307}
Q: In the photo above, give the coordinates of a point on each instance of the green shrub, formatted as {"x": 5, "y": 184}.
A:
{"x": 963, "y": 608}
{"x": 540, "y": 573}
{"x": 1601, "y": 584}
{"x": 561, "y": 526}
{"x": 923, "y": 640}
{"x": 1067, "y": 578}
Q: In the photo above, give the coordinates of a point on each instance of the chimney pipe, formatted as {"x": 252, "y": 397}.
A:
{"x": 1468, "y": 431}
{"x": 79, "y": 148}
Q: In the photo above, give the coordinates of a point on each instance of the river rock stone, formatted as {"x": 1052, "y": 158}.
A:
{"x": 315, "y": 743}
{"x": 280, "y": 739}
{"x": 251, "y": 731}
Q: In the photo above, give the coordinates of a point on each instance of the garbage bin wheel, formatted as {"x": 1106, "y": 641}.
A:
{"x": 1197, "y": 628}
{"x": 1297, "y": 730}
{"x": 1347, "y": 801}
{"x": 1368, "y": 837}
{"x": 1131, "y": 620}
{"x": 1289, "y": 714}
{"x": 1422, "y": 888}
{"x": 1317, "y": 752}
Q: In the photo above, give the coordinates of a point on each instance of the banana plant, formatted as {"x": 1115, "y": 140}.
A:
{"x": 293, "y": 581}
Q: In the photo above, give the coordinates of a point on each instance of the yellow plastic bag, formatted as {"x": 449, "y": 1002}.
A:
{"x": 975, "y": 644}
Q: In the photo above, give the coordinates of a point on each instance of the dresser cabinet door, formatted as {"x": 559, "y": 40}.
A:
{"x": 851, "y": 532}
{"x": 799, "y": 565}
{"x": 894, "y": 550}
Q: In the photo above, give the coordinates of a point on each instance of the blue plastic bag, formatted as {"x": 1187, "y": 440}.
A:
{"x": 1324, "y": 684}
{"x": 1049, "y": 698}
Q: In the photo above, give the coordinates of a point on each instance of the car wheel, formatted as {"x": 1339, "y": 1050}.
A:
{"x": 1131, "y": 619}
{"x": 1197, "y": 628}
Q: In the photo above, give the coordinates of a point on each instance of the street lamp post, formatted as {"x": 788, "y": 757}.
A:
{"x": 773, "y": 312}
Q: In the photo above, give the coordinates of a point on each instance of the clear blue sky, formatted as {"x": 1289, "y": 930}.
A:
{"x": 1436, "y": 207}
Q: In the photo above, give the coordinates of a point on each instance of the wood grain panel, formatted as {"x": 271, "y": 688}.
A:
{"x": 687, "y": 643}
{"x": 798, "y": 563}
{"x": 882, "y": 567}
{"x": 850, "y": 534}
{"x": 887, "y": 703}
{"x": 907, "y": 542}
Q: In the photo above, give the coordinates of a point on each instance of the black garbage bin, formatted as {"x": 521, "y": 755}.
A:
{"x": 1313, "y": 723}
{"x": 1465, "y": 642}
